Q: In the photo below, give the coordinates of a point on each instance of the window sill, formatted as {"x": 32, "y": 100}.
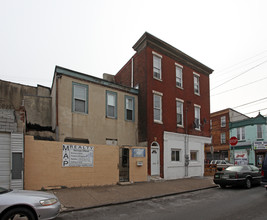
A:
{"x": 158, "y": 122}
{"x": 157, "y": 79}
{"x": 198, "y": 94}
{"x": 180, "y": 126}
{"x": 179, "y": 87}
{"x": 111, "y": 117}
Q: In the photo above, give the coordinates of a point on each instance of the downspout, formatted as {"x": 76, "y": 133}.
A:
{"x": 57, "y": 132}
{"x": 132, "y": 73}
{"x": 186, "y": 157}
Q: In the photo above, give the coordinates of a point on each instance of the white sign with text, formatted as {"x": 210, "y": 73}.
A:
{"x": 77, "y": 156}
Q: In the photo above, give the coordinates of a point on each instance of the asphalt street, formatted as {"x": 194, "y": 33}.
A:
{"x": 216, "y": 203}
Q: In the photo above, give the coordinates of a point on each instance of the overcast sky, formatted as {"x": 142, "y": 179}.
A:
{"x": 96, "y": 37}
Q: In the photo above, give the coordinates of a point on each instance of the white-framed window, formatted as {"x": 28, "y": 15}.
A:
{"x": 223, "y": 121}
{"x": 259, "y": 131}
{"x": 157, "y": 66}
{"x": 175, "y": 155}
{"x": 111, "y": 104}
{"x": 193, "y": 155}
{"x": 196, "y": 84}
{"x": 179, "y": 75}
{"x": 129, "y": 108}
{"x": 79, "y": 98}
{"x": 157, "y": 106}
{"x": 180, "y": 112}
{"x": 241, "y": 133}
{"x": 223, "y": 138}
{"x": 197, "y": 117}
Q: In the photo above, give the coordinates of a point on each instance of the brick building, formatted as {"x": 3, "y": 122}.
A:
{"x": 219, "y": 149}
{"x": 174, "y": 106}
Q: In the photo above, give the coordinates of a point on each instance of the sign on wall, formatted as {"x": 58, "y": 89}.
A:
{"x": 241, "y": 158}
{"x": 138, "y": 152}
{"x": 77, "y": 156}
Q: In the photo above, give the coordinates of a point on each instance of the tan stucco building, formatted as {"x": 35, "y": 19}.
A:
{"x": 93, "y": 110}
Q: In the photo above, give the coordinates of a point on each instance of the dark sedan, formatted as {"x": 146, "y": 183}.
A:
{"x": 238, "y": 176}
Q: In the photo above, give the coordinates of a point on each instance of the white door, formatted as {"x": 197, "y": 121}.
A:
{"x": 155, "y": 165}
{"x": 5, "y": 166}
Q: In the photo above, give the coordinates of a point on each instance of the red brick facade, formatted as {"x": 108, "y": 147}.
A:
{"x": 142, "y": 66}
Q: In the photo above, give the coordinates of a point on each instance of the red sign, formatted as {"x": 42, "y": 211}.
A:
{"x": 233, "y": 141}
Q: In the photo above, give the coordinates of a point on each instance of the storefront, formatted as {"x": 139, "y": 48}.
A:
{"x": 242, "y": 154}
{"x": 260, "y": 148}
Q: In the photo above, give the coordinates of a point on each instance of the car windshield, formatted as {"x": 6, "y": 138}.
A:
{"x": 3, "y": 190}
{"x": 234, "y": 168}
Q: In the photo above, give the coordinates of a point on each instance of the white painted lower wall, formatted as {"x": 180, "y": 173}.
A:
{"x": 177, "y": 169}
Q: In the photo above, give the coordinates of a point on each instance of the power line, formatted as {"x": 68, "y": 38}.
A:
{"x": 240, "y": 74}
{"x": 251, "y": 102}
{"x": 229, "y": 67}
{"x": 248, "y": 84}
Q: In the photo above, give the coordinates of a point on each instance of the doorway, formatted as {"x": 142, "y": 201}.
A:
{"x": 155, "y": 164}
{"x": 124, "y": 165}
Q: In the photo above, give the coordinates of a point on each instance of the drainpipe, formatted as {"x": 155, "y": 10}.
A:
{"x": 186, "y": 157}
{"x": 132, "y": 74}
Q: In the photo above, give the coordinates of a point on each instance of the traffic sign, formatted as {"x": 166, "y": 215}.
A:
{"x": 233, "y": 141}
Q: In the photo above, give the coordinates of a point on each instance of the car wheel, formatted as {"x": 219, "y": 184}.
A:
{"x": 19, "y": 213}
{"x": 222, "y": 186}
{"x": 248, "y": 183}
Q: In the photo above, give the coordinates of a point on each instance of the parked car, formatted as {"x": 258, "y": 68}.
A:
{"x": 245, "y": 175}
{"x": 24, "y": 204}
{"x": 221, "y": 164}
{"x": 264, "y": 172}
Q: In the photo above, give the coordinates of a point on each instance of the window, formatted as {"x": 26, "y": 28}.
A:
{"x": 157, "y": 66}
{"x": 197, "y": 118}
{"x": 179, "y": 112}
{"x": 129, "y": 108}
{"x": 223, "y": 138}
{"x": 111, "y": 104}
{"x": 157, "y": 102}
{"x": 175, "y": 155}
{"x": 179, "y": 76}
{"x": 79, "y": 98}
{"x": 196, "y": 84}
{"x": 240, "y": 133}
{"x": 259, "y": 131}
{"x": 193, "y": 155}
{"x": 223, "y": 121}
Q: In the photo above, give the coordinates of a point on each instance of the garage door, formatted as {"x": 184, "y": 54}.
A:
{"x": 5, "y": 151}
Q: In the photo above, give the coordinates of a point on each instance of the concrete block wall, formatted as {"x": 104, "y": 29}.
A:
{"x": 7, "y": 120}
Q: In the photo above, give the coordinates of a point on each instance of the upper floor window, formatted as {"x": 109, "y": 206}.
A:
{"x": 129, "y": 108}
{"x": 223, "y": 138}
{"x": 157, "y": 106}
{"x": 179, "y": 112}
{"x": 223, "y": 121}
{"x": 196, "y": 84}
{"x": 259, "y": 131}
{"x": 241, "y": 133}
{"x": 179, "y": 75}
{"x": 157, "y": 66}
{"x": 111, "y": 104}
{"x": 79, "y": 98}
{"x": 197, "y": 117}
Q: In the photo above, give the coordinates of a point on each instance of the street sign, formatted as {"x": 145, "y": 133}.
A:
{"x": 233, "y": 141}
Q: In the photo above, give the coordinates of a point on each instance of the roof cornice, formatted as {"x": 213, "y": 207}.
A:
{"x": 148, "y": 40}
{"x": 81, "y": 76}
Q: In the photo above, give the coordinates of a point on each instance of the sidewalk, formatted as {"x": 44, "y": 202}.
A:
{"x": 89, "y": 197}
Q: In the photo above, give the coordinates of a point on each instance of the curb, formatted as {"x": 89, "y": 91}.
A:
{"x": 136, "y": 200}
